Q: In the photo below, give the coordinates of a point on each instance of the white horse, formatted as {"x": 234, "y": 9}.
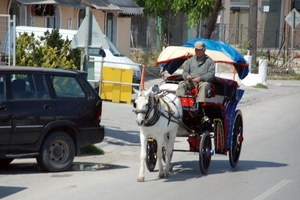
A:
{"x": 158, "y": 116}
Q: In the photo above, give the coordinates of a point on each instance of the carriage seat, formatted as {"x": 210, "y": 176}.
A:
{"x": 222, "y": 90}
{"x": 171, "y": 85}
{"x": 210, "y": 93}
{"x": 189, "y": 102}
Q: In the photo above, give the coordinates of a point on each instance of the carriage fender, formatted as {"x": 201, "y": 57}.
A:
{"x": 231, "y": 110}
{"x": 240, "y": 94}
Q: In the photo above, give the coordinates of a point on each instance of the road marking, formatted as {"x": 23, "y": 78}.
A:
{"x": 272, "y": 190}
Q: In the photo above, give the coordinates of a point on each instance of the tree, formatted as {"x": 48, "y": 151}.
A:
{"x": 213, "y": 16}
{"x": 252, "y": 31}
{"x": 196, "y": 11}
{"x": 161, "y": 11}
{"x": 50, "y": 51}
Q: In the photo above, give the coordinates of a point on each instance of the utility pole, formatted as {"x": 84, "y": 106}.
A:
{"x": 252, "y": 30}
{"x": 87, "y": 39}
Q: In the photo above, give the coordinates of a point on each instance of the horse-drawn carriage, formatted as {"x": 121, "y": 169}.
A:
{"x": 220, "y": 132}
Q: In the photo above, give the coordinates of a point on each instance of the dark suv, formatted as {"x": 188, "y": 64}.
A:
{"x": 47, "y": 114}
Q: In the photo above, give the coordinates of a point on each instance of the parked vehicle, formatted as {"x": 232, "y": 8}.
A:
{"x": 47, "y": 114}
{"x": 113, "y": 57}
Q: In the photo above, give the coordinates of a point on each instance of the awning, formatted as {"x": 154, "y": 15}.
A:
{"x": 128, "y": 7}
{"x": 123, "y": 7}
{"x": 29, "y": 2}
{"x": 240, "y": 5}
{"x": 70, "y": 3}
{"x": 100, "y": 5}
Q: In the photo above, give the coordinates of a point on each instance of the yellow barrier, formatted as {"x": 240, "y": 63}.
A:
{"x": 116, "y": 84}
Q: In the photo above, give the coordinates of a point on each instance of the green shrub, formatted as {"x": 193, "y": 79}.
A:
{"x": 91, "y": 149}
{"x": 50, "y": 51}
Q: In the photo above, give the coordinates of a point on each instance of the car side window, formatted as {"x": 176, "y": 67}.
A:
{"x": 22, "y": 86}
{"x": 67, "y": 87}
{"x": 41, "y": 87}
{"x": 2, "y": 87}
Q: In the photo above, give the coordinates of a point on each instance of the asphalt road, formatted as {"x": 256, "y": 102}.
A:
{"x": 268, "y": 166}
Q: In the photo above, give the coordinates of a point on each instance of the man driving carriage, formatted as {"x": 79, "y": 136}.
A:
{"x": 199, "y": 72}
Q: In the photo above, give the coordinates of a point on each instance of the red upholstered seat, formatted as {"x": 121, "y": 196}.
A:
{"x": 211, "y": 91}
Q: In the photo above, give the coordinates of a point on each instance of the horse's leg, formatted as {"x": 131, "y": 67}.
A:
{"x": 143, "y": 140}
{"x": 169, "y": 145}
{"x": 159, "y": 157}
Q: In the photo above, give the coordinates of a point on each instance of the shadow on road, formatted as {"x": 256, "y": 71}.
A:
{"x": 33, "y": 168}
{"x": 185, "y": 170}
{"x": 89, "y": 166}
{"x": 122, "y": 137}
{"x": 6, "y": 191}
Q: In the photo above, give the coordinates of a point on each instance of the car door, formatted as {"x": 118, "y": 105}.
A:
{"x": 5, "y": 113}
{"x": 32, "y": 107}
{"x": 71, "y": 101}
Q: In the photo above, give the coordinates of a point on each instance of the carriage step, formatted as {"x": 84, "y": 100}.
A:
{"x": 212, "y": 152}
{"x": 182, "y": 150}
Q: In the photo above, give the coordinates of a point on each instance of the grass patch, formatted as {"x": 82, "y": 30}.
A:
{"x": 259, "y": 85}
{"x": 147, "y": 58}
{"x": 295, "y": 77}
{"x": 91, "y": 149}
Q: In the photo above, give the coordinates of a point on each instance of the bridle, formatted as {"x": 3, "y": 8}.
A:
{"x": 152, "y": 105}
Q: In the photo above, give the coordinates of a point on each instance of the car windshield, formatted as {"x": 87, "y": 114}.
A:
{"x": 112, "y": 49}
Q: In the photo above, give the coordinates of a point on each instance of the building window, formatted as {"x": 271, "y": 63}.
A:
{"x": 14, "y": 10}
{"x": 50, "y": 22}
{"x": 296, "y": 5}
{"x": 44, "y": 10}
{"x": 109, "y": 27}
{"x": 81, "y": 16}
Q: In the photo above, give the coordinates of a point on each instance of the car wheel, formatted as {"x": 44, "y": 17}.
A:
{"x": 57, "y": 152}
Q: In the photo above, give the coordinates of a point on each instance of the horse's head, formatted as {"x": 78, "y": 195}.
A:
{"x": 143, "y": 104}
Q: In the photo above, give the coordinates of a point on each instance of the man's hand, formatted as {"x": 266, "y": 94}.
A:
{"x": 197, "y": 79}
{"x": 189, "y": 77}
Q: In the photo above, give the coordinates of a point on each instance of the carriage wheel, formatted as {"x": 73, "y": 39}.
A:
{"x": 151, "y": 154}
{"x": 236, "y": 139}
{"x": 205, "y": 152}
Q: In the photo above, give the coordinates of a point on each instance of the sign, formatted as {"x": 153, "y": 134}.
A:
{"x": 264, "y": 8}
{"x": 293, "y": 16}
{"x": 96, "y": 37}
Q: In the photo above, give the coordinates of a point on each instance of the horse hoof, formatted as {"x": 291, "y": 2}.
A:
{"x": 141, "y": 179}
{"x": 163, "y": 175}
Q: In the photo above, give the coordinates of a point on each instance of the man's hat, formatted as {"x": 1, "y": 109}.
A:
{"x": 199, "y": 45}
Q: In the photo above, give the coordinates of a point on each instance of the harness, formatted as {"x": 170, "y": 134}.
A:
{"x": 156, "y": 101}
{"x": 154, "y": 105}
{"x": 150, "y": 121}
